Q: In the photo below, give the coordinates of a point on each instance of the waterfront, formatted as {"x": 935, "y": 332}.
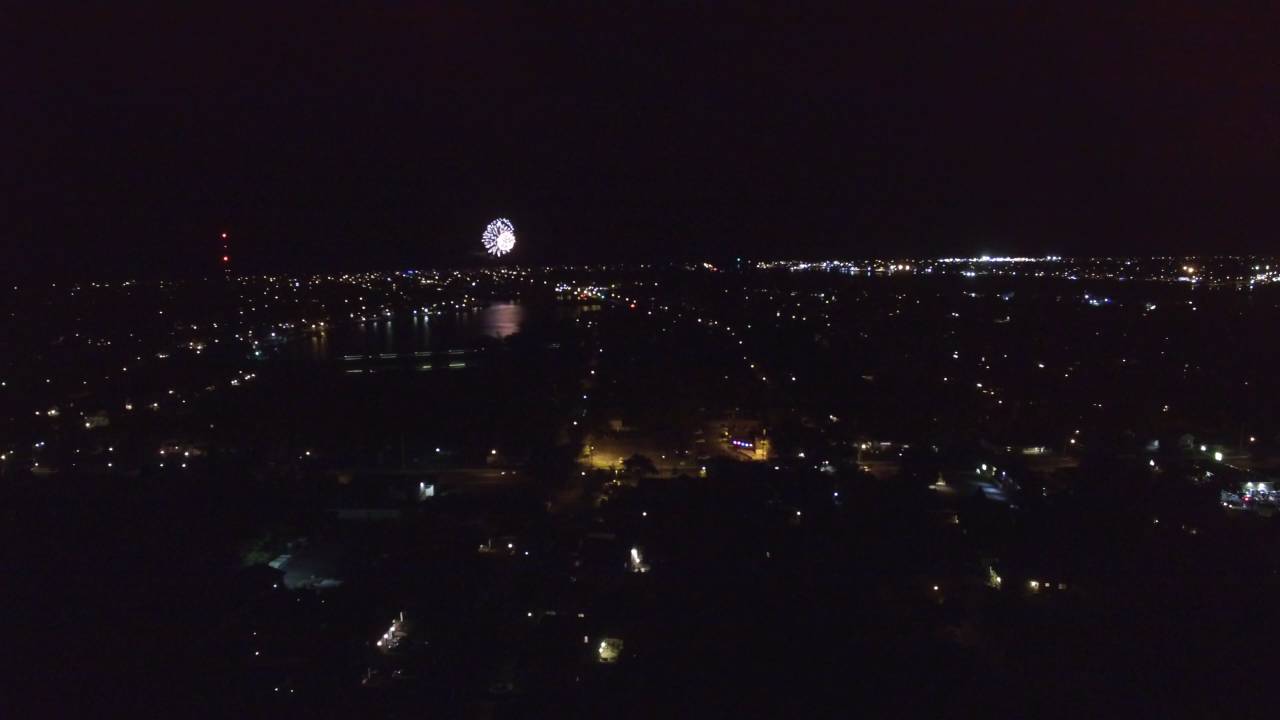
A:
{"x": 415, "y": 332}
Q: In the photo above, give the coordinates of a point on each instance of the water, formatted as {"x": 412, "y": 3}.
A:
{"x": 388, "y": 393}
{"x": 409, "y": 334}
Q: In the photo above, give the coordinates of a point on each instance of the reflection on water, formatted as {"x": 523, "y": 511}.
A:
{"x": 414, "y": 333}
{"x": 500, "y": 320}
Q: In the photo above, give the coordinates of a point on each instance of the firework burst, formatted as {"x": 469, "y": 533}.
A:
{"x": 499, "y": 237}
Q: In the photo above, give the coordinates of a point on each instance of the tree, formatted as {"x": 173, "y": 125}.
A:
{"x": 639, "y": 466}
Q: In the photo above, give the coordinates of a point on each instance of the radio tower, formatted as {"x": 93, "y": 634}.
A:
{"x": 226, "y": 256}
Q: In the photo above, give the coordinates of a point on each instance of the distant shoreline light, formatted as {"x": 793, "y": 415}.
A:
{"x": 1001, "y": 259}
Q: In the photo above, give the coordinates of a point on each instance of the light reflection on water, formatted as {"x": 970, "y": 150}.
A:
{"x": 500, "y": 320}
{"x": 415, "y": 333}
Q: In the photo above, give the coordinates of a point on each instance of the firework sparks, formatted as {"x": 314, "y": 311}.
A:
{"x": 499, "y": 237}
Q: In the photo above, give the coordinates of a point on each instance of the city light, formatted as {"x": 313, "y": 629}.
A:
{"x": 636, "y": 563}
{"x": 394, "y": 635}
{"x": 664, "y": 165}
{"x": 609, "y": 650}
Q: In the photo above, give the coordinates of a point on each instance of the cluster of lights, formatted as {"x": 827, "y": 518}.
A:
{"x": 394, "y": 635}
{"x": 1002, "y": 259}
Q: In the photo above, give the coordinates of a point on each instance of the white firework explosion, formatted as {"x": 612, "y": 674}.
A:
{"x": 499, "y": 237}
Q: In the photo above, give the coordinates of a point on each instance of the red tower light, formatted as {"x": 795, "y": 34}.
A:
{"x": 226, "y": 258}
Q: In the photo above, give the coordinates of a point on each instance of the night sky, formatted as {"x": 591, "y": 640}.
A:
{"x": 385, "y": 135}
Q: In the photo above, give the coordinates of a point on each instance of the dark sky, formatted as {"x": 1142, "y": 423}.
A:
{"x": 374, "y": 135}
